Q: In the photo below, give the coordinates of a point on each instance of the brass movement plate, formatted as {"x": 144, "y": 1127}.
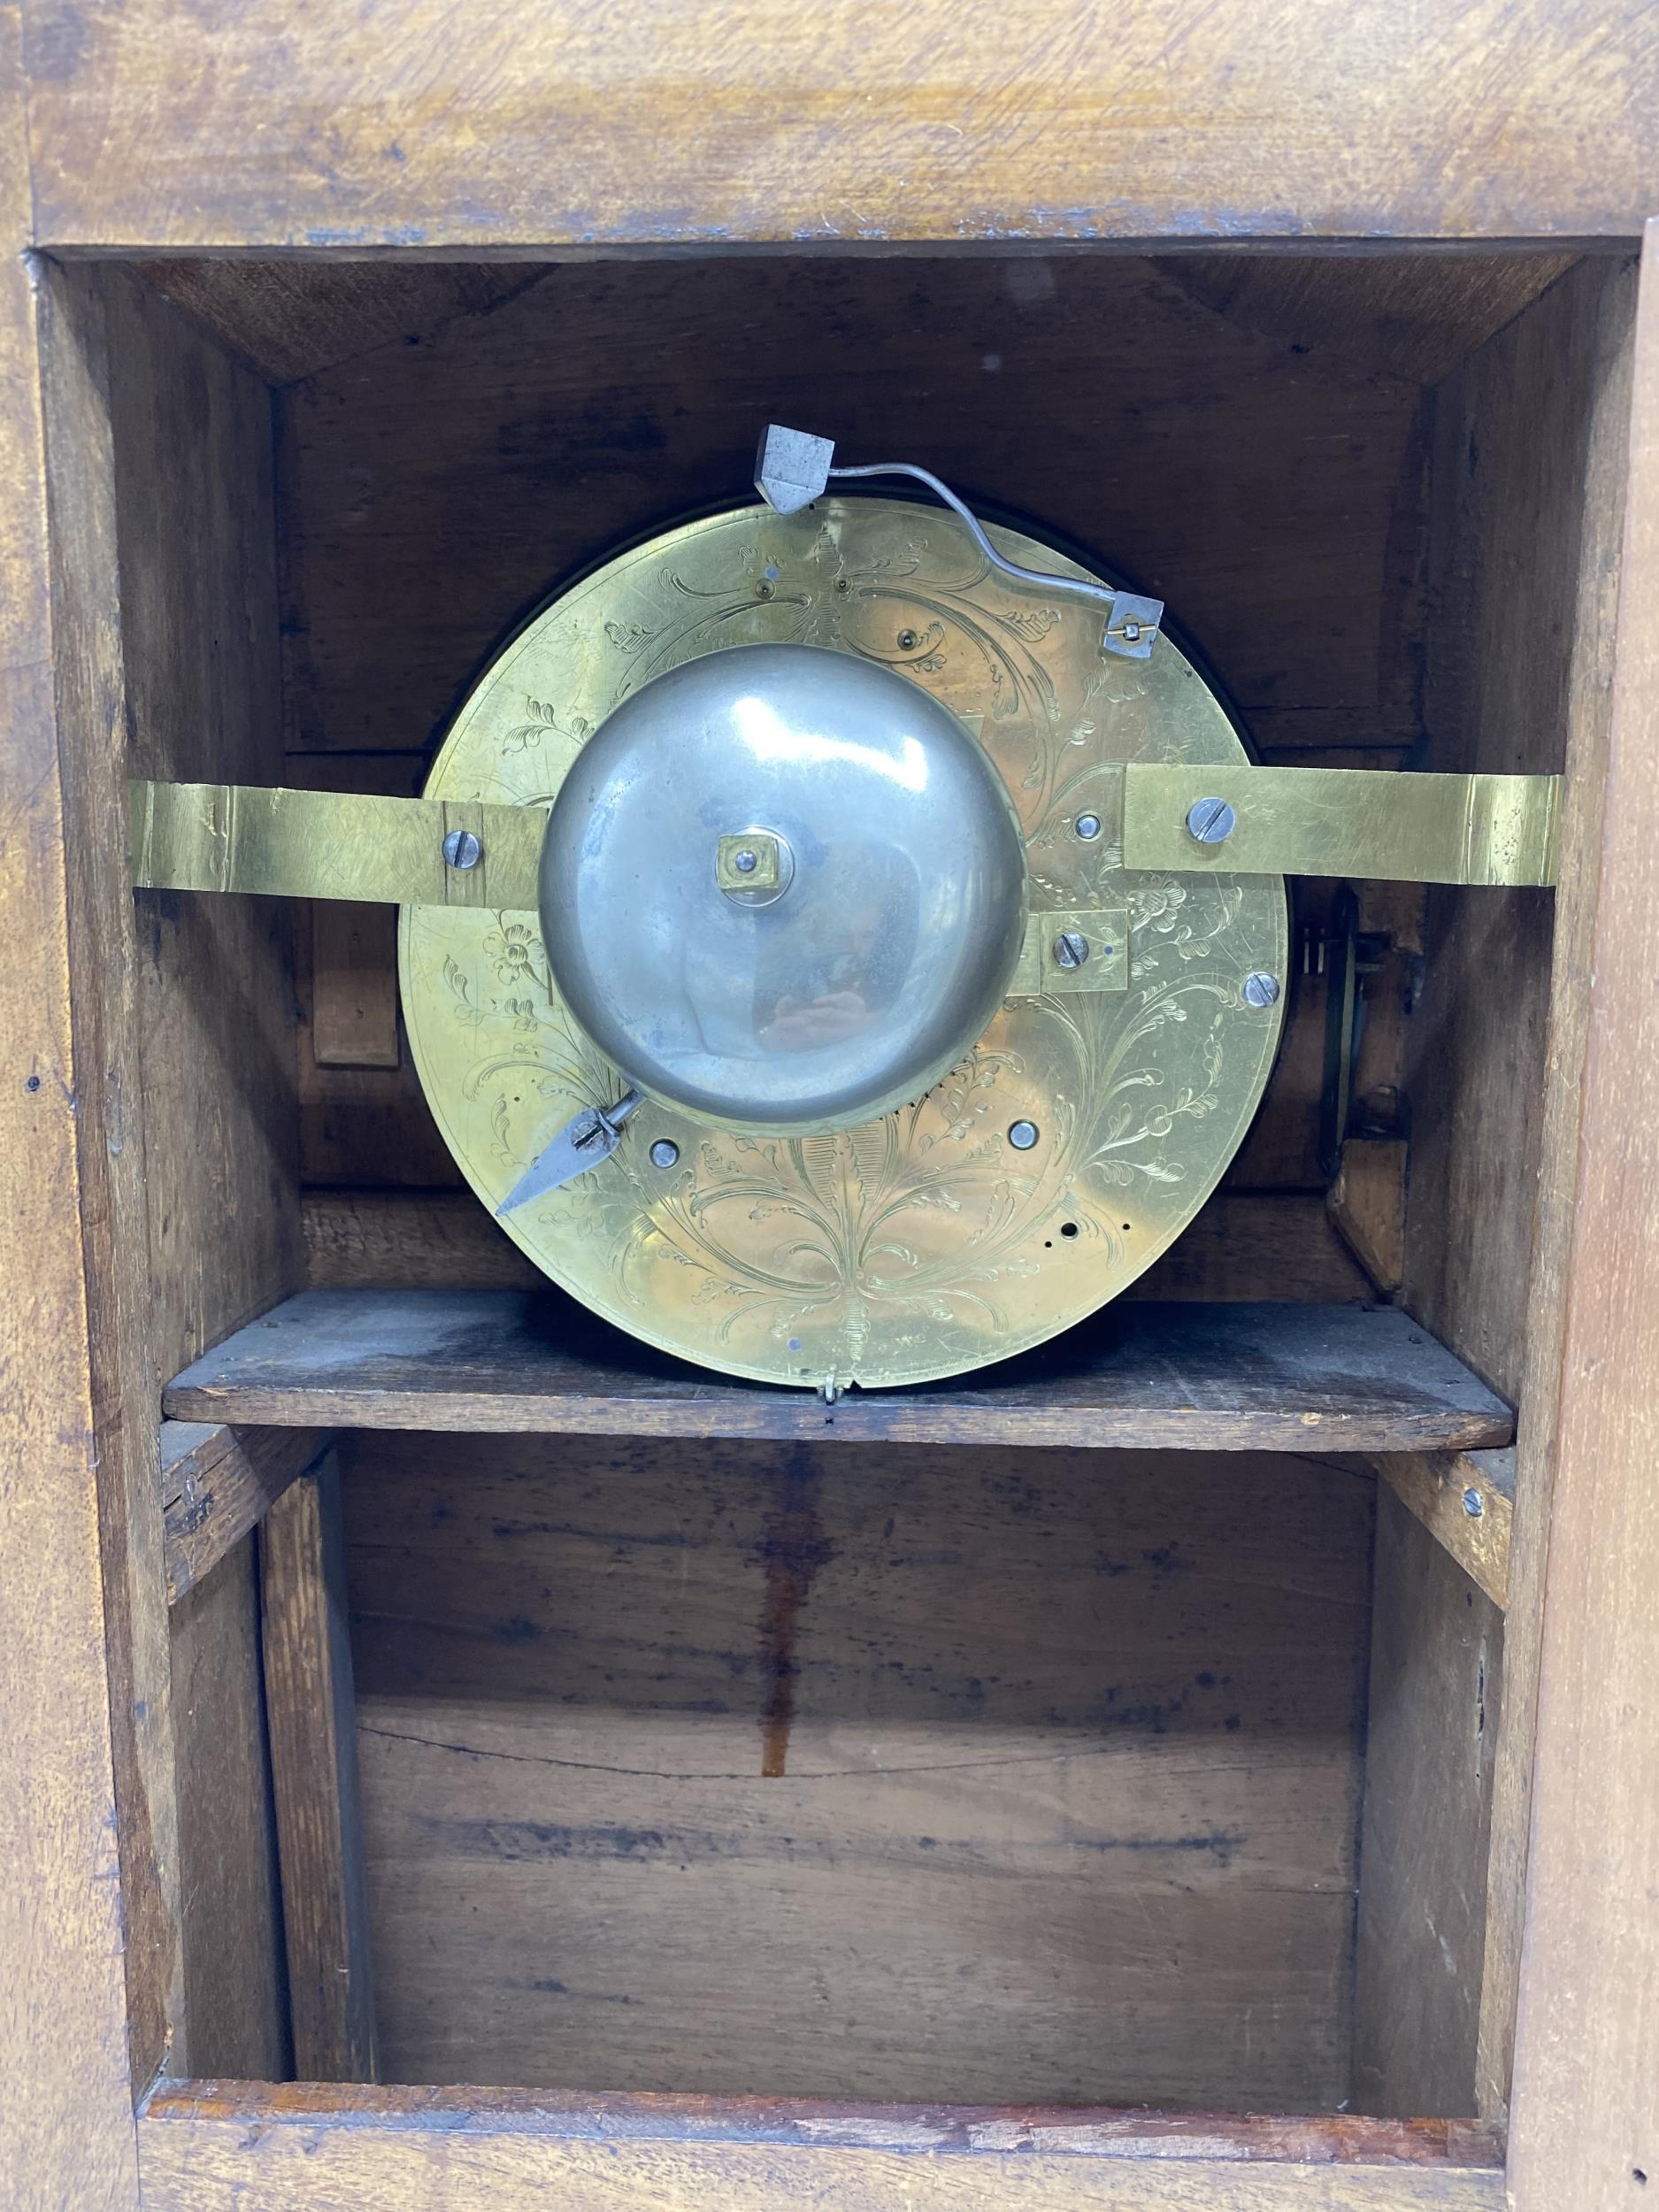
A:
{"x": 923, "y": 1244}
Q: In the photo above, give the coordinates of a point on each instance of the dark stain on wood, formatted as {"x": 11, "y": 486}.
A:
{"x": 793, "y": 1548}
{"x": 520, "y": 1842}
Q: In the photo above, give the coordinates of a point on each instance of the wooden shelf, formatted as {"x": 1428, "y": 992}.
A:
{"x": 1185, "y": 1376}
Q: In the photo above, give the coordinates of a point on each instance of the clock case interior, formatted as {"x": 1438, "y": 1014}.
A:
{"x": 1116, "y": 1776}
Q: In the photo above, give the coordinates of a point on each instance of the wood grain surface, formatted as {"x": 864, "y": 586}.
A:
{"x": 1436, "y": 1674}
{"x": 1415, "y": 316}
{"x": 289, "y": 318}
{"x": 1514, "y": 527}
{"x": 1191, "y": 451}
{"x": 312, "y": 1716}
{"x": 1192, "y": 1376}
{"x": 890, "y": 1772}
{"x": 195, "y": 491}
{"x": 127, "y": 1348}
{"x": 66, "y": 2116}
{"x": 217, "y": 1484}
{"x": 1587, "y": 367}
{"x": 236, "y": 2000}
{"x": 1586, "y": 2089}
{"x": 1466, "y": 1502}
{"x": 207, "y": 2145}
{"x": 191, "y": 470}
{"x": 406, "y": 124}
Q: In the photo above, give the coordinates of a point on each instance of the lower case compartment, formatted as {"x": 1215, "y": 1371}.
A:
{"x": 861, "y": 1771}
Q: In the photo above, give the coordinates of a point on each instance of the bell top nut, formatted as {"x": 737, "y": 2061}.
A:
{"x": 755, "y": 866}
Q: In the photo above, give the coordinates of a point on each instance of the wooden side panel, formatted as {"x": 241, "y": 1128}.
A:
{"x": 893, "y": 1772}
{"x": 1416, "y": 315}
{"x": 292, "y": 316}
{"x": 235, "y": 1995}
{"x": 197, "y": 540}
{"x": 1436, "y": 1651}
{"x": 194, "y": 528}
{"x": 104, "y": 987}
{"x": 1514, "y": 621}
{"x": 65, "y": 2116}
{"x": 312, "y": 1715}
{"x": 1606, "y": 329}
{"x": 1526, "y": 497}
{"x": 406, "y": 124}
{"x": 1586, "y": 2092}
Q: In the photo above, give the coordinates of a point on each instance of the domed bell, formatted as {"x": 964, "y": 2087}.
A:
{"x": 783, "y": 889}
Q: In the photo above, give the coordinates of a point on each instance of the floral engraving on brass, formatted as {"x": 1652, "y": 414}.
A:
{"x": 922, "y": 1244}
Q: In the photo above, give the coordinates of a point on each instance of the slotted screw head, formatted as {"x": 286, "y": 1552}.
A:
{"x": 463, "y": 849}
{"x": 1474, "y": 1504}
{"x": 1210, "y": 821}
{"x": 1070, "y": 948}
{"x": 1261, "y": 989}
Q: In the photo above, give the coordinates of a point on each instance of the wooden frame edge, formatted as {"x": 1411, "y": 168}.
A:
{"x": 1587, "y": 2080}
{"x": 208, "y": 2143}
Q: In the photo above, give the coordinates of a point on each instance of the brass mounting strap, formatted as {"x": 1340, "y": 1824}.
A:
{"x": 1381, "y": 825}
{"x": 333, "y": 845}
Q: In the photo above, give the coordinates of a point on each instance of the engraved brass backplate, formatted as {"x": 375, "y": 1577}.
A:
{"x": 921, "y": 1244}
